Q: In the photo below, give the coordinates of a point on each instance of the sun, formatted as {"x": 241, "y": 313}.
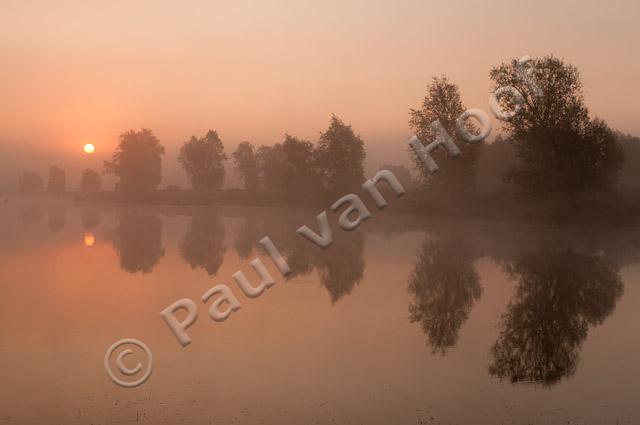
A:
{"x": 89, "y": 148}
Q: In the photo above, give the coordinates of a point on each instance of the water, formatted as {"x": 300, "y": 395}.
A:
{"x": 404, "y": 321}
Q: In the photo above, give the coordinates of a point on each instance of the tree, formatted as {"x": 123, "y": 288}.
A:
{"x": 560, "y": 149}
{"x": 137, "y": 161}
{"x": 288, "y": 166}
{"x": 57, "y": 180}
{"x": 340, "y": 157}
{"x": 299, "y": 167}
{"x": 246, "y": 164}
{"x": 90, "y": 181}
{"x": 203, "y": 161}
{"x": 271, "y": 164}
{"x": 442, "y": 103}
{"x": 30, "y": 181}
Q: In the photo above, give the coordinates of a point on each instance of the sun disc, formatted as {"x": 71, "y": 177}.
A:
{"x": 89, "y": 148}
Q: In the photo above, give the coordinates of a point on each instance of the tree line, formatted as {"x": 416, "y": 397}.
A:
{"x": 560, "y": 148}
{"x": 336, "y": 161}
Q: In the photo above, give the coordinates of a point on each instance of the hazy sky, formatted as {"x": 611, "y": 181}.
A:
{"x": 78, "y": 72}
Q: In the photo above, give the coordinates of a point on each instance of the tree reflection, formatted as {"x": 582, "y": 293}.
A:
{"x": 559, "y": 295}
{"x": 57, "y": 217}
{"x": 445, "y": 286}
{"x": 137, "y": 238}
{"x": 30, "y": 213}
{"x": 340, "y": 267}
{"x": 248, "y": 235}
{"x": 203, "y": 243}
{"x": 91, "y": 216}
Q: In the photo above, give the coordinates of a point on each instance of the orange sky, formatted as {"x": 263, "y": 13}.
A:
{"x": 78, "y": 72}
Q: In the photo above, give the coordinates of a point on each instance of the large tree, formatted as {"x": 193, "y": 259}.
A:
{"x": 246, "y": 165}
{"x": 203, "y": 161}
{"x": 340, "y": 157}
{"x": 442, "y": 103}
{"x": 560, "y": 149}
{"x": 137, "y": 161}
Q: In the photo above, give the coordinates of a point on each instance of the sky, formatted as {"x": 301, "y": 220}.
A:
{"x": 76, "y": 72}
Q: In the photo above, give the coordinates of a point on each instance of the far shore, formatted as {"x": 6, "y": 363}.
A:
{"x": 609, "y": 209}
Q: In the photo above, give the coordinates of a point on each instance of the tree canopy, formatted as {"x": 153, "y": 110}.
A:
{"x": 560, "y": 149}
{"x": 340, "y": 157}
{"x": 443, "y": 103}
{"x": 137, "y": 161}
{"x": 246, "y": 165}
{"x": 203, "y": 161}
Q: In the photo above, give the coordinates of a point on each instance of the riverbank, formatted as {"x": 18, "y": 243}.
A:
{"x": 611, "y": 209}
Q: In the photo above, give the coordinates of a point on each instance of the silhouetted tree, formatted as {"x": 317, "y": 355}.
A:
{"x": 203, "y": 161}
{"x": 246, "y": 165}
{"x": 203, "y": 243}
{"x": 445, "y": 286}
{"x": 559, "y": 148}
{"x": 340, "y": 157}
{"x": 271, "y": 163}
{"x": 558, "y": 296}
{"x": 137, "y": 161}
{"x": 30, "y": 181}
{"x": 57, "y": 180}
{"x": 137, "y": 238}
{"x": 90, "y": 181}
{"x": 300, "y": 173}
{"x": 442, "y": 103}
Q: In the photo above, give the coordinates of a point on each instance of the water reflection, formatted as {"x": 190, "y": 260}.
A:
{"x": 341, "y": 266}
{"x": 203, "y": 243}
{"x": 91, "y": 216}
{"x": 30, "y": 213}
{"x": 445, "y": 286}
{"x": 89, "y": 239}
{"x": 57, "y": 217}
{"x": 559, "y": 295}
{"x": 137, "y": 238}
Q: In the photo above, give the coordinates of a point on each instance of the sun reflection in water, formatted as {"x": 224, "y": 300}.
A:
{"x": 89, "y": 239}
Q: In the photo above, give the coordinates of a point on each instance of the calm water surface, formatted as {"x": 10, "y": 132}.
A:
{"x": 404, "y": 321}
